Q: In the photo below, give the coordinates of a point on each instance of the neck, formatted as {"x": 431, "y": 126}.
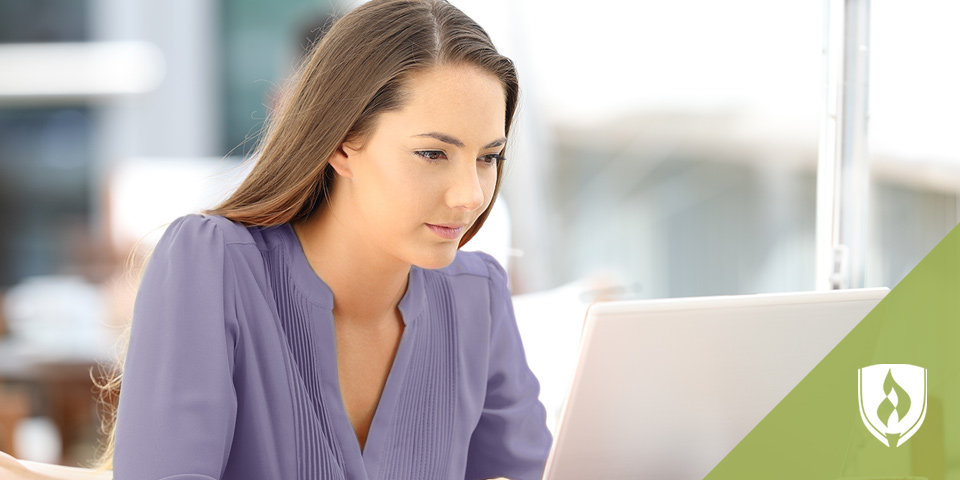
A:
{"x": 367, "y": 285}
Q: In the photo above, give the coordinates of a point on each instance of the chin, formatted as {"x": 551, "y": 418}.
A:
{"x": 437, "y": 260}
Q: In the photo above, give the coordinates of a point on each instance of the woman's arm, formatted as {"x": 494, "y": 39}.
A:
{"x": 178, "y": 404}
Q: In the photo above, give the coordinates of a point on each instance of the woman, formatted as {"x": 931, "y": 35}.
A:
{"x": 321, "y": 323}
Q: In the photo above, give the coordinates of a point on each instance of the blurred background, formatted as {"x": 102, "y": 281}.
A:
{"x": 664, "y": 149}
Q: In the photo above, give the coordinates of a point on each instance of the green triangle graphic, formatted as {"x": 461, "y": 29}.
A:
{"x": 816, "y": 432}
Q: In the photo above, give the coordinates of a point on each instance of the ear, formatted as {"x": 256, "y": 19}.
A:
{"x": 341, "y": 159}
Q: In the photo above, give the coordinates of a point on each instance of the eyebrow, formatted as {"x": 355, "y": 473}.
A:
{"x": 443, "y": 137}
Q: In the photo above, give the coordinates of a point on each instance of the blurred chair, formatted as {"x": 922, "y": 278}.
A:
{"x": 57, "y": 336}
{"x": 14, "y": 407}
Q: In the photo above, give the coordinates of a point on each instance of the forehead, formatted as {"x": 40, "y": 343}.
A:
{"x": 460, "y": 100}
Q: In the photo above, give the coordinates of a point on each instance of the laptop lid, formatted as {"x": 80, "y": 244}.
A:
{"x": 666, "y": 388}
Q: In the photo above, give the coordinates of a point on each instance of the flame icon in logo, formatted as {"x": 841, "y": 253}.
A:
{"x": 889, "y": 412}
{"x": 887, "y": 407}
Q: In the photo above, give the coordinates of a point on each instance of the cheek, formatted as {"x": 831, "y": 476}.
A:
{"x": 404, "y": 191}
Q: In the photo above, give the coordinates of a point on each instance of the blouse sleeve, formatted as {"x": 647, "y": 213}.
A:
{"x": 177, "y": 407}
{"x": 511, "y": 439}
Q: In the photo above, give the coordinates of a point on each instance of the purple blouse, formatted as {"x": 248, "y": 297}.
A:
{"x": 231, "y": 370}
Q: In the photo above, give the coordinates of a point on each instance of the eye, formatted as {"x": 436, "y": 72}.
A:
{"x": 491, "y": 159}
{"x": 431, "y": 155}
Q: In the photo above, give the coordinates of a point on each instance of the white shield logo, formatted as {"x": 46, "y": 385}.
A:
{"x": 893, "y": 401}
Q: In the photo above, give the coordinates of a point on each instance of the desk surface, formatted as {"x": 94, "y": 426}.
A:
{"x": 66, "y": 473}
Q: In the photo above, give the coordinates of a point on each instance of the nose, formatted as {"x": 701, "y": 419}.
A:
{"x": 465, "y": 190}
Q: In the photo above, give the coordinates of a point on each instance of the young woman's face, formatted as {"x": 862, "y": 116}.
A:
{"x": 428, "y": 170}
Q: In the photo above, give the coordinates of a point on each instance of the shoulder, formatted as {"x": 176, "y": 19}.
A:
{"x": 472, "y": 263}
{"x": 205, "y": 239}
{"x": 476, "y": 264}
{"x": 230, "y": 231}
{"x": 216, "y": 232}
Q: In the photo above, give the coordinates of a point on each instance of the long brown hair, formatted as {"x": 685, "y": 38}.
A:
{"x": 355, "y": 72}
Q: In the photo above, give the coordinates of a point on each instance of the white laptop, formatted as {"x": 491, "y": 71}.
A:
{"x": 664, "y": 389}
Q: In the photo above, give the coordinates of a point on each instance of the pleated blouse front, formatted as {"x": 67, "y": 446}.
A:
{"x": 231, "y": 370}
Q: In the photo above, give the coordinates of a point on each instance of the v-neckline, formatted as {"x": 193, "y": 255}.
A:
{"x": 372, "y": 451}
{"x": 411, "y": 307}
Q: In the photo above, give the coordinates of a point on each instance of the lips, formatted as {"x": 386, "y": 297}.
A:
{"x": 448, "y": 231}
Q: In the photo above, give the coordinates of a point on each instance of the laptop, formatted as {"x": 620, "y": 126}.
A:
{"x": 664, "y": 389}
